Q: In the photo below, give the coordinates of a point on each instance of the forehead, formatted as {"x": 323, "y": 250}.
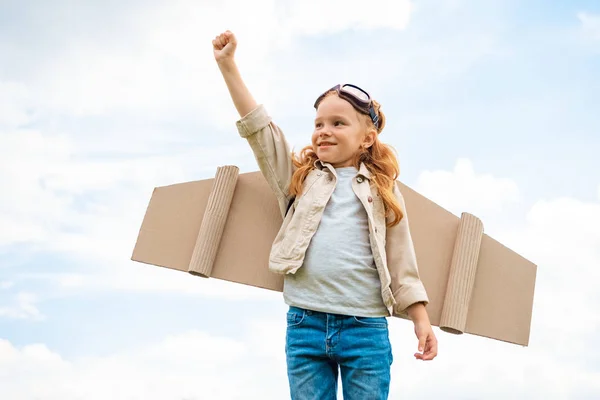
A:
{"x": 333, "y": 105}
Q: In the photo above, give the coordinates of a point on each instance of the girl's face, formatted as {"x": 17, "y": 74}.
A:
{"x": 339, "y": 132}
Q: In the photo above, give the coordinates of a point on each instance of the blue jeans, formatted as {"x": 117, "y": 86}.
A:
{"x": 317, "y": 344}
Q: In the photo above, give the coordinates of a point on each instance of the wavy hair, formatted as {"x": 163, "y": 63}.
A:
{"x": 380, "y": 159}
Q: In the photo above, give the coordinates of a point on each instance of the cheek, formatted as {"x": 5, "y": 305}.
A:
{"x": 355, "y": 140}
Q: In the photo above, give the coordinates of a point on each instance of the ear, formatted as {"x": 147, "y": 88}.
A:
{"x": 369, "y": 138}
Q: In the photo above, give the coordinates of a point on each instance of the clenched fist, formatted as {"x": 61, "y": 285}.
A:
{"x": 224, "y": 46}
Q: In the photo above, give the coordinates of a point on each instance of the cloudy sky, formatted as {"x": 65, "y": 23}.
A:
{"x": 493, "y": 109}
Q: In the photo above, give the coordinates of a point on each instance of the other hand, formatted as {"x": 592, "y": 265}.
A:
{"x": 428, "y": 345}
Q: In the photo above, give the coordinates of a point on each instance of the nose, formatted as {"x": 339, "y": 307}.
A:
{"x": 323, "y": 131}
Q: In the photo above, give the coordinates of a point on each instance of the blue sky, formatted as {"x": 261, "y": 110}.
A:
{"x": 491, "y": 105}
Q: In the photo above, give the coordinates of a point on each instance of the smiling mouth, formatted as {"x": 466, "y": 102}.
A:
{"x": 326, "y": 144}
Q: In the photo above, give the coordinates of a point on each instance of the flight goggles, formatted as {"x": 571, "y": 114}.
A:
{"x": 359, "y": 99}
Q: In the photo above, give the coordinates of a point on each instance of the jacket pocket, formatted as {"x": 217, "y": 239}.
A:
{"x": 310, "y": 180}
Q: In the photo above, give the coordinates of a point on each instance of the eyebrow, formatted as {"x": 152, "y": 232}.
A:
{"x": 335, "y": 116}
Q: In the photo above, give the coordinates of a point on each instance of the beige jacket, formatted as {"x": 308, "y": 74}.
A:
{"x": 392, "y": 248}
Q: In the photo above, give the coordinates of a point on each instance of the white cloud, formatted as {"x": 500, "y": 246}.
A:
{"x": 156, "y": 62}
{"x": 142, "y": 278}
{"x": 23, "y": 306}
{"x": 590, "y": 24}
{"x": 561, "y": 236}
{"x": 162, "y": 64}
{"x": 464, "y": 190}
{"x": 474, "y": 367}
{"x": 14, "y": 101}
{"x": 314, "y": 17}
{"x": 192, "y": 365}
{"x": 57, "y": 199}
{"x": 26, "y": 207}
{"x": 161, "y": 67}
{"x": 6, "y": 284}
{"x": 90, "y": 212}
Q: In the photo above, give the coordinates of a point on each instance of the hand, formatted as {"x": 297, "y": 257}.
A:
{"x": 427, "y": 341}
{"x": 224, "y": 46}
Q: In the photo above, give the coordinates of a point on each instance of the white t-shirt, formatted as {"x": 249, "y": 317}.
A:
{"x": 339, "y": 274}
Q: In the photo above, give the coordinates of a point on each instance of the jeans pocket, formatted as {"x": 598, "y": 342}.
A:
{"x": 372, "y": 322}
{"x": 295, "y": 318}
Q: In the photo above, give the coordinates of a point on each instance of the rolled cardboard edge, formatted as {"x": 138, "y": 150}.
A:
{"x": 462, "y": 274}
{"x": 213, "y": 222}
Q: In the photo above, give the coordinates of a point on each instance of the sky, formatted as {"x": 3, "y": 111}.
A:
{"x": 492, "y": 107}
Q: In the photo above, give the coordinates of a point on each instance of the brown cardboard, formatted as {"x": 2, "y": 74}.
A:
{"x": 223, "y": 228}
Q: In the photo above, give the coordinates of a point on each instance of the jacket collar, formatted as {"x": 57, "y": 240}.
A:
{"x": 362, "y": 170}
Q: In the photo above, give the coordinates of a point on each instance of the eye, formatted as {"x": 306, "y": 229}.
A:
{"x": 318, "y": 125}
{"x": 337, "y": 123}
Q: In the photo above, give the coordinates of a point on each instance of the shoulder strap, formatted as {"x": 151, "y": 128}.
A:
{"x": 290, "y": 205}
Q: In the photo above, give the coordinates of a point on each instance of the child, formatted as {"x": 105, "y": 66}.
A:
{"x": 344, "y": 246}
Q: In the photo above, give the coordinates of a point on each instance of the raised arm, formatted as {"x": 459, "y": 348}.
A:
{"x": 268, "y": 143}
{"x": 224, "y": 47}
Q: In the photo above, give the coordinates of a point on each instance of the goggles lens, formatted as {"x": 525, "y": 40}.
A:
{"x": 356, "y": 92}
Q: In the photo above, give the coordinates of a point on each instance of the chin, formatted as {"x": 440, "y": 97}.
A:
{"x": 325, "y": 158}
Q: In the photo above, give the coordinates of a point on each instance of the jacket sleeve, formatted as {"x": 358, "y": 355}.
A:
{"x": 406, "y": 284}
{"x": 271, "y": 150}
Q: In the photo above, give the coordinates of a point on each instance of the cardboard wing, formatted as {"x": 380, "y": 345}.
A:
{"x": 223, "y": 228}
